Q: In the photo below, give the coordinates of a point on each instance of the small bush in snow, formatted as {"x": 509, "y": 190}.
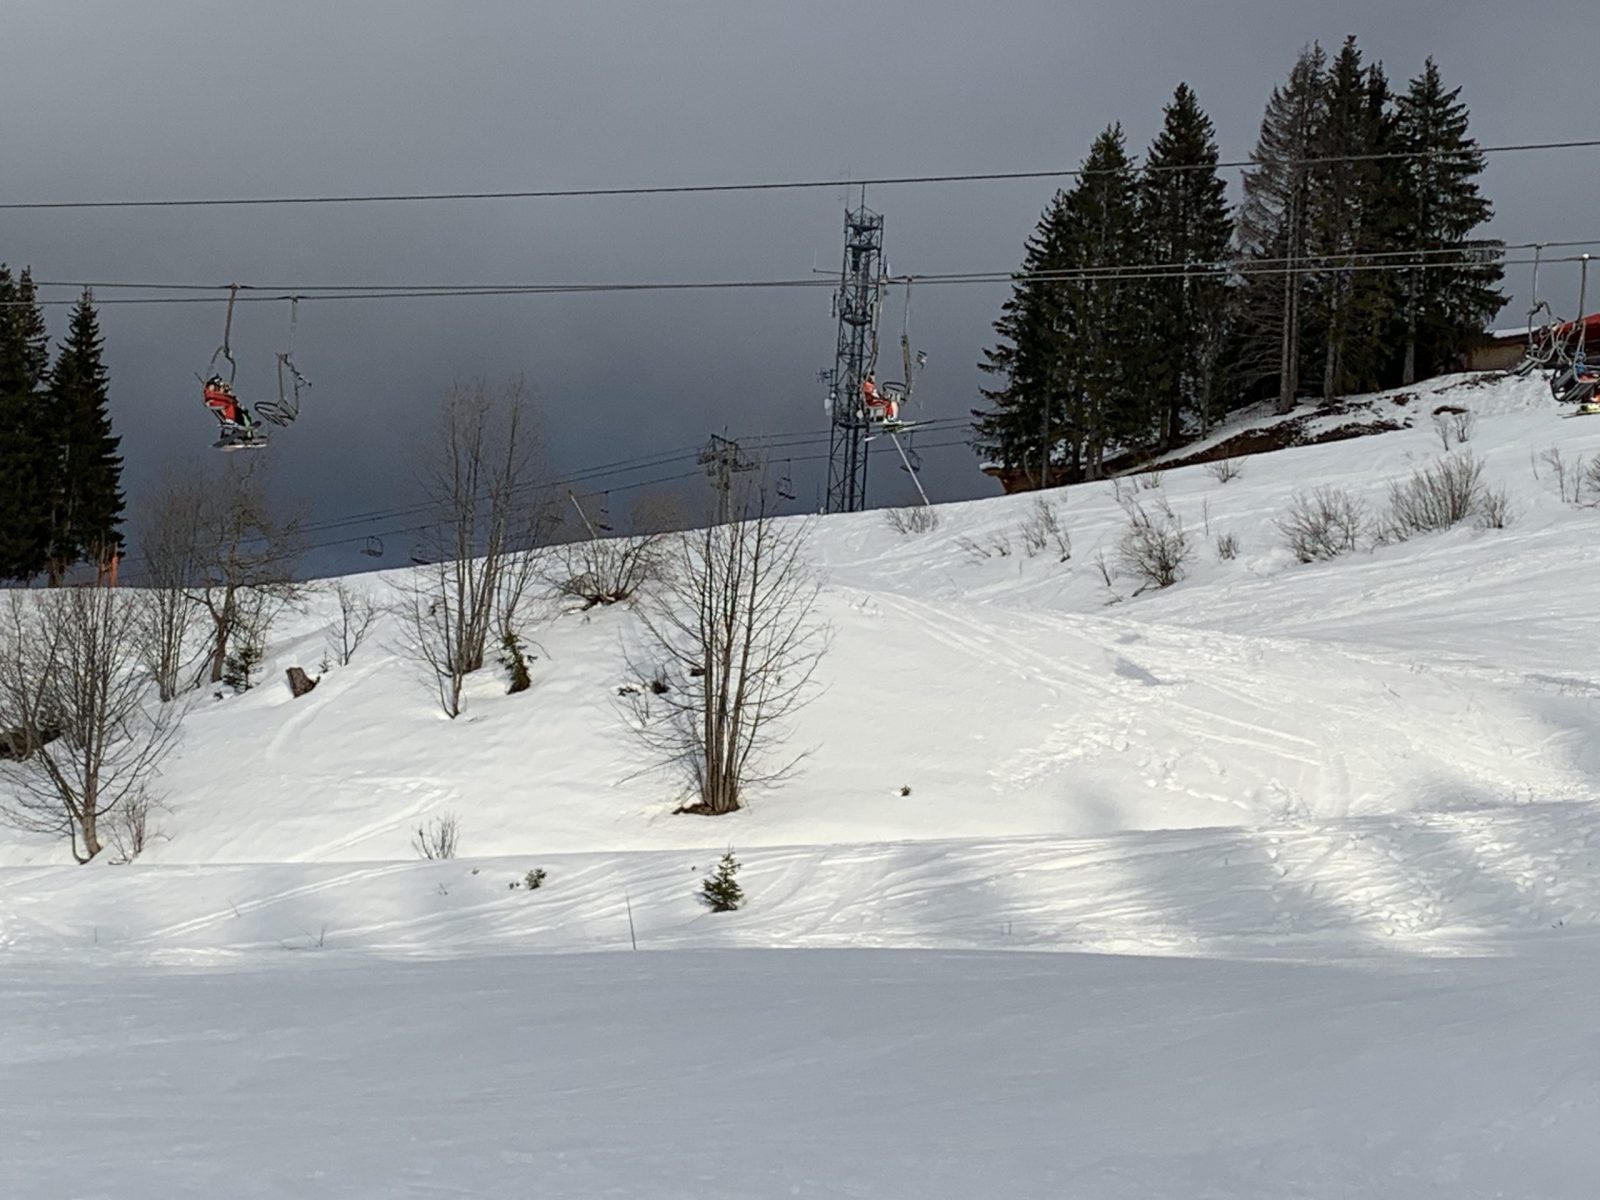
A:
{"x": 1435, "y": 497}
{"x": 1043, "y": 531}
{"x": 131, "y": 826}
{"x": 438, "y": 838}
{"x": 922, "y": 518}
{"x": 534, "y": 879}
{"x": 602, "y": 571}
{"x": 1150, "y": 481}
{"x": 1590, "y": 490}
{"x": 1154, "y": 547}
{"x": 1569, "y": 477}
{"x": 1227, "y": 546}
{"x": 905, "y": 789}
{"x": 1322, "y": 524}
{"x": 1453, "y": 425}
{"x": 1494, "y": 508}
{"x": 1225, "y": 469}
{"x": 720, "y": 891}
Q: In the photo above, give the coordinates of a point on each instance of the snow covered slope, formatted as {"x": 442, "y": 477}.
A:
{"x": 1327, "y": 833}
{"x": 1452, "y": 671}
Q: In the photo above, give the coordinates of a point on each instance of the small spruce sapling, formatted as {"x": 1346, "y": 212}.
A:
{"x": 240, "y": 667}
{"x": 515, "y": 662}
{"x": 720, "y": 890}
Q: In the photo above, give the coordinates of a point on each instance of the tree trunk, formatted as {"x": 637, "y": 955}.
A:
{"x": 89, "y": 830}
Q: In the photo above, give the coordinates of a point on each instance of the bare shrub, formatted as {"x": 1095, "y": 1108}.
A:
{"x": 1154, "y": 546}
{"x": 1042, "y": 530}
{"x": 735, "y": 618}
{"x": 1103, "y": 565}
{"x": 1589, "y": 487}
{"x": 81, "y": 742}
{"x": 1323, "y": 524}
{"x": 1435, "y": 497}
{"x": 1151, "y": 481}
{"x": 1000, "y": 543}
{"x": 920, "y": 518}
{"x": 357, "y": 612}
{"x": 131, "y": 826}
{"x": 1453, "y": 425}
{"x": 439, "y": 838}
{"x": 1494, "y": 508}
{"x": 598, "y": 571}
{"x": 1227, "y": 546}
{"x": 477, "y": 477}
{"x": 1224, "y": 469}
{"x": 1569, "y": 476}
{"x": 974, "y": 549}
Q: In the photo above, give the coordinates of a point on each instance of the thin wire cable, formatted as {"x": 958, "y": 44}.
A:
{"x": 1466, "y": 257}
{"x": 296, "y": 290}
{"x": 765, "y": 186}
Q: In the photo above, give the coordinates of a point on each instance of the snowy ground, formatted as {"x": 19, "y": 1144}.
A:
{"x": 711, "y": 1074}
{"x": 1313, "y": 848}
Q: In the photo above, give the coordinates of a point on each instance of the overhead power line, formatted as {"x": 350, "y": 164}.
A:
{"x": 1381, "y": 260}
{"x": 786, "y": 185}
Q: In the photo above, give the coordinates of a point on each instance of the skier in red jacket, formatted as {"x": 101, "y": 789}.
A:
{"x": 238, "y": 426}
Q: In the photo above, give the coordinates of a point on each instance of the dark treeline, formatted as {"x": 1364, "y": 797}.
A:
{"x": 1349, "y": 265}
{"x": 60, "y": 475}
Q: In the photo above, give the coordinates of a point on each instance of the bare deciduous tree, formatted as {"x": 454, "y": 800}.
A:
{"x": 479, "y": 477}
{"x": 168, "y": 541}
{"x": 72, "y": 697}
{"x": 357, "y": 612}
{"x": 735, "y": 618}
{"x": 244, "y": 559}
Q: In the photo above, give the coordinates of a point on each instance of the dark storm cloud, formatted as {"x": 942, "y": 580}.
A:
{"x": 165, "y": 99}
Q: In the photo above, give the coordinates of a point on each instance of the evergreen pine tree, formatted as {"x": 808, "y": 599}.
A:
{"x": 1442, "y": 308}
{"x": 1273, "y": 225}
{"x": 1184, "y": 213}
{"x": 1349, "y": 209}
{"x": 1104, "y": 330}
{"x": 720, "y": 890}
{"x": 86, "y": 491}
{"x": 27, "y": 452}
{"x": 1025, "y": 424}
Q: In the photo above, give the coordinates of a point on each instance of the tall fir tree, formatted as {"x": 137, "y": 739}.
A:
{"x": 1442, "y": 308}
{"x": 1106, "y": 335}
{"x": 1184, "y": 213}
{"x": 1273, "y": 229}
{"x": 87, "y": 499}
{"x": 1350, "y": 204}
{"x": 26, "y": 449}
{"x": 1025, "y": 424}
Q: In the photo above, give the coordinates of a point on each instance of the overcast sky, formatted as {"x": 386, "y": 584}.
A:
{"x": 160, "y": 99}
